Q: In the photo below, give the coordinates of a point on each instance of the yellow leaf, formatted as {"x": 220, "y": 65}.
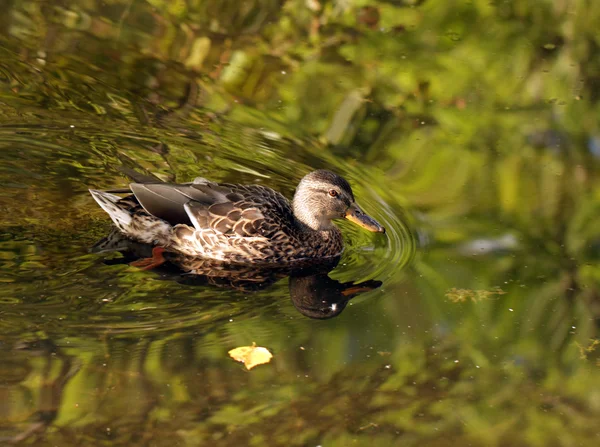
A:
{"x": 251, "y": 356}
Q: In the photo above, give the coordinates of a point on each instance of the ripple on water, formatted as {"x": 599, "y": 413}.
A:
{"x": 56, "y": 285}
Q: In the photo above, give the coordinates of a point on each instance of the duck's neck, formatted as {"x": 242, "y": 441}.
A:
{"x": 308, "y": 225}
{"x": 307, "y": 217}
{"x": 320, "y": 243}
{"x": 311, "y": 230}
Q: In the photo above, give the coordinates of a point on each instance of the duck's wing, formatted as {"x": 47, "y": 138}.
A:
{"x": 164, "y": 200}
{"x": 240, "y": 210}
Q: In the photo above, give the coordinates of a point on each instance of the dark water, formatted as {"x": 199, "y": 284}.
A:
{"x": 469, "y": 129}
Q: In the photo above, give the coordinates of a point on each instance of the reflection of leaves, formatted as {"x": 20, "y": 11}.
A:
{"x": 251, "y": 356}
{"x": 461, "y": 295}
{"x": 585, "y": 350}
{"x": 448, "y": 108}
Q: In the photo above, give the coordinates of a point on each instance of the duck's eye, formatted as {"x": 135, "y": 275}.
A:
{"x": 333, "y": 193}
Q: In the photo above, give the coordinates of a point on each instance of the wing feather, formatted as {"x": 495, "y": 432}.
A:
{"x": 225, "y": 209}
{"x": 163, "y": 201}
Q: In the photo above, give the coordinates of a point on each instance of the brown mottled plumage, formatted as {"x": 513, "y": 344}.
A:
{"x": 248, "y": 224}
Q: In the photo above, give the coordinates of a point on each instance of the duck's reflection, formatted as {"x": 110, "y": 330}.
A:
{"x": 319, "y": 296}
{"x": 313, "y": 293}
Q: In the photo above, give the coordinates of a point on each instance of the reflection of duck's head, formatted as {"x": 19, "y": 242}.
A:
{"x": 322, "y": 196}
{"x": 319, "y": 296}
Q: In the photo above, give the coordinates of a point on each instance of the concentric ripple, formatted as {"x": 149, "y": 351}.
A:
{"x": 51, "y": 281}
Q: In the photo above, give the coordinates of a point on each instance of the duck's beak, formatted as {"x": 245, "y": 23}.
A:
{"x": 358, "y": 216}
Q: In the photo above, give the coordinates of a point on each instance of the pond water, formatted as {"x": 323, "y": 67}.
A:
{"x": 470, "y": 130}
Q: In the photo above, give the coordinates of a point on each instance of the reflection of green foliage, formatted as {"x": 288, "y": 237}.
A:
{"x": 481, "y": 118}
{"x": 584, "y": 351}
{"x": 461, "y": 295}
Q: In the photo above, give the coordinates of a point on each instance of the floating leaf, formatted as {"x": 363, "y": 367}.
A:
{"x": 251, "y": 356}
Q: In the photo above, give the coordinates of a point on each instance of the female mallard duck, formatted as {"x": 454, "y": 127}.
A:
{"x": 248, "y": 224}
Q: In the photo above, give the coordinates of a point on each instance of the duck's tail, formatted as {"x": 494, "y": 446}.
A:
{"x": 130, "y": 218}
{"x": 121, "y": 216}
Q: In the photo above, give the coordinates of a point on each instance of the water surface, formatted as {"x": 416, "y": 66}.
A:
{"x": 469, "y": 129}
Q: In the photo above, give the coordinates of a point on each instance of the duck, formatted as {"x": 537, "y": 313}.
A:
{"x": 240, "y": 224}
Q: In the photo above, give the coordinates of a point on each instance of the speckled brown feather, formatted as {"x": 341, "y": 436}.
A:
{"x": 225, "y": 222}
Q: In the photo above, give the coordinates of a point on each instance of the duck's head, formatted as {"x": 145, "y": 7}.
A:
{"x": 322, "y": 196}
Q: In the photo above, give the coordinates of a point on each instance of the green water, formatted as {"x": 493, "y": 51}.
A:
{"x": 471, "y": 130}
